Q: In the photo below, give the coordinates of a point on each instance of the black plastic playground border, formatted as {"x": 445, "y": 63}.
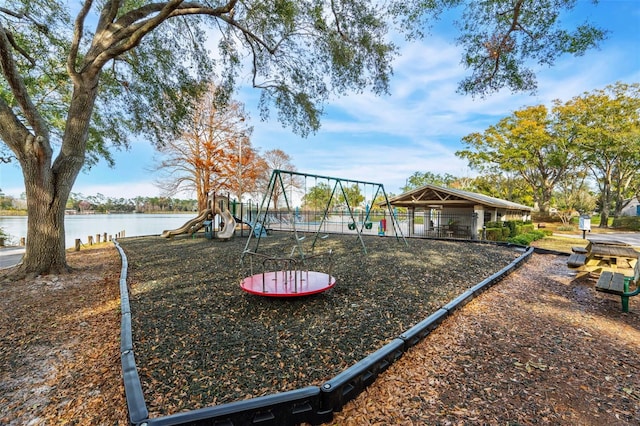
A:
{"x": 312, "y": 404}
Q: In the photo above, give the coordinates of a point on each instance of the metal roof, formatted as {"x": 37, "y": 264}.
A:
{"x": 434, "y": 195}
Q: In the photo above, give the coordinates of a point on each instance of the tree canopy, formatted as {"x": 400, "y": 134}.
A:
{"x": 606, "y": 127}
{"x": 317, "y": 197}
{"x": 596, "y": 132}
{"x": 525, "y": 143}
{"x": 418, "y": 179}
{"x": 79, "y": 80}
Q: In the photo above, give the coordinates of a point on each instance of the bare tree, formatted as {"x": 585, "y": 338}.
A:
{"x": 277, "y": 159}
{"x": 206, "y": 156}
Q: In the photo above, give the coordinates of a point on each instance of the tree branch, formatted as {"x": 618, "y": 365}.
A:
{"x": 20, "y": 50}
{"x": 18, "y": 88}
{"x": 22, "y": 15}
{"x": 127, "y": 32}
{"x": 500, "y": 44}
{"x": 12, "y": 130}
{"x": 108, "y": 14}
{"x": 248, "y": 33}
{"x": 77, "y": 36}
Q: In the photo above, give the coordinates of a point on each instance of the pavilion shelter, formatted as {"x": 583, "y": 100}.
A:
{"x": 436, "y": 211}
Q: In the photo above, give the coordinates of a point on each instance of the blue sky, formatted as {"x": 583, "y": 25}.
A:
{"x": 418, "y": 127}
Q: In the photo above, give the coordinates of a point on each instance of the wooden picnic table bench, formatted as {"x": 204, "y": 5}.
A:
{"x": 579, "y": 250}
{"x": 605, "y": 250}
{"x": 602, "y": 255}
{"x": 576, "y": 260}
{"x": 618, "y": 284}
{"x": 611, "y": 255}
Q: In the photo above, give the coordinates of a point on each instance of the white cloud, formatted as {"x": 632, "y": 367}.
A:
{"x": 417, "y": 128}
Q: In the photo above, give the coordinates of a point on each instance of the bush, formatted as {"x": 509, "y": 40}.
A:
{"x": 492, "y": 224}
{"x": 502, "y": 231}
{"x": 522, "y": 239}
{"x": 527, "y": 228}
{"x": 631, "y": 223}
{"x": 512, "y": 225}
{"x": 527, "y": 238}
{"x": 494, "y": 234}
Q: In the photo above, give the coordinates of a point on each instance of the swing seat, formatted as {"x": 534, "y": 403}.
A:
{"x": 260, "y": 231}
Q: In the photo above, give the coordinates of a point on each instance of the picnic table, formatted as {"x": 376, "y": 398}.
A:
{"x": 610, "y": 254}
{"x": 603, "y": 255}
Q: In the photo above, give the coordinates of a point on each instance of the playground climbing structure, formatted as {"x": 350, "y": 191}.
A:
{"x": 216, "y": 206}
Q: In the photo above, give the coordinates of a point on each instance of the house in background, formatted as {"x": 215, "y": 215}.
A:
{"x": 631, "y": 207}
{"x": 452, "y": 213}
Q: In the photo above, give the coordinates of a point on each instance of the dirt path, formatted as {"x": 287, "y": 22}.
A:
{"x": 538, "y": 348}
{"x": 59, "y": 345}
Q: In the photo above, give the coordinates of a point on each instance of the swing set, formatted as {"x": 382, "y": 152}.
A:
{"x": 292, "y": 276}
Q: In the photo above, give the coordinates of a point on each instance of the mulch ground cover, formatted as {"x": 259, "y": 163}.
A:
{"x": 200, "y": 340}
{"x": 539, "y": 348}
{"x": 60, "y": 345}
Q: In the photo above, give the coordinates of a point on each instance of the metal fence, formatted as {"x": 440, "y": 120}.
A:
{"x": 423, "y": 225}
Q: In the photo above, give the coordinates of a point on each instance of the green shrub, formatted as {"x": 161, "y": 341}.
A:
{"x": 522, "y": 239}
{"x": 526, "y": 238}
{"x": 494, "y": 234}
{"x": 631, "y": 223}
{"x": 512, "y": 225}
{"x": 504, "y": 231}
{"x": 538, "y": 233}
{"x": 527, "y": 227}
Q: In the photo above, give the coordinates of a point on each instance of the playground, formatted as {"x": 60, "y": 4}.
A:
{"x": 203, "y": 338}
{"x": 539, "y": 345}
{"x": 233, "y": 345}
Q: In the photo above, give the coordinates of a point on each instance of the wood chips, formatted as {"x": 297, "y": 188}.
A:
{"x": 537, "y": 348}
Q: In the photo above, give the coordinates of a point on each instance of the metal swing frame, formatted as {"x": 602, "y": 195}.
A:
{"x": 276, "y": 179}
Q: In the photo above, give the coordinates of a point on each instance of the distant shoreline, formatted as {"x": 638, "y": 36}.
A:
{"x": 13, "y": 212}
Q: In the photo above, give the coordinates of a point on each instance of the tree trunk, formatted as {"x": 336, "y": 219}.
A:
{"x": 547, "y": 193}
{"x": 48, "y": 185}
{"x": 605, "y": 205}
{"x": 45, "y": 248}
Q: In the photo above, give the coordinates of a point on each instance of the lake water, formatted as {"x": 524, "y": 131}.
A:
{"x": 81, "y": 226}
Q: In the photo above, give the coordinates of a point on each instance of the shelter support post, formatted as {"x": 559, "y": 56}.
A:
{"x": 478, "y": 211}
{"x": 412, "y": 221}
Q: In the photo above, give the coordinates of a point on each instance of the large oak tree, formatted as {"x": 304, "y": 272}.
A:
{"x": 598, "y": 132}
{"x": 606, "y": 127}
{"x": 78, "y": 80}
{"x": 528, "y": 144}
